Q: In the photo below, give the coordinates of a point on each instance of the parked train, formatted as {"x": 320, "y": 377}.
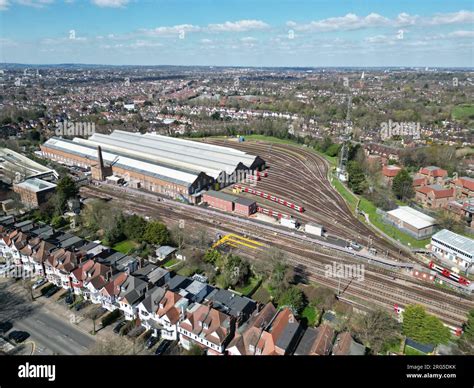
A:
{"x": 262, "y": 194}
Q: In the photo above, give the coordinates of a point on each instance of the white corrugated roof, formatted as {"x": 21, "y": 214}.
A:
{"x": 201, "y": 154}
{"x": 413, "y": 217}
{"x": 124, "y": 146}
{"x": 109, "y": 157}
{"x": 462, "y": 243}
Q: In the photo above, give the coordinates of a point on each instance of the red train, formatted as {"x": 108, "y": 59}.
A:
{"x": 448, "y": 274}
{"x": 262, "y": 194}
{"x": 272, "y": 213}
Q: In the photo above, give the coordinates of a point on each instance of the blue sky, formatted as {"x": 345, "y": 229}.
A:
{"x": 239, "y": 32}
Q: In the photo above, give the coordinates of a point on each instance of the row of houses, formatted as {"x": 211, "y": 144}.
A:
{"x": 185, "y": 309}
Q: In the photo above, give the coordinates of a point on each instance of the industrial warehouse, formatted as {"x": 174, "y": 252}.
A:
{"x": 174, "y": 167}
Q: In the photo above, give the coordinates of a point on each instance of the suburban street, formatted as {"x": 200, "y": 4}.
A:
{"x": 53, "y": 335}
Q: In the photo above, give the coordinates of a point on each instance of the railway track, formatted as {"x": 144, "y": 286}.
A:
{"x": 312, "y": 190}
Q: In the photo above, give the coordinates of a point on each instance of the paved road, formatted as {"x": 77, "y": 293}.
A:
{"x": 54, "y": 335}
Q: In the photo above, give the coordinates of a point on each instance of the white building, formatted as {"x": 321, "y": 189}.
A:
{"x": 453, "y": 247}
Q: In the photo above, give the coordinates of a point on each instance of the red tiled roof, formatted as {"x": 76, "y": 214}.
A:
{"x": 390, "y": 171}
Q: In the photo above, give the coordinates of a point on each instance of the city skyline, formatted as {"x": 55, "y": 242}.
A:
{"x": 265, "y": 34}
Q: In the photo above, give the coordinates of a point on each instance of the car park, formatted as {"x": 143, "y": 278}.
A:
{"x": 18, "y": 336}
{"x": 162, "y": 347}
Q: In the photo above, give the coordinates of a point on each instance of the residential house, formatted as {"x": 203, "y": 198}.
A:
{"x": 228, "y": 302}
{"x": 316, "y": 341}
{"x": 389, "y": 173}
{"x": 267, "y": 332}
{"x": 153, "y": 275}
{"x": 344, "y": 345}
{"x": 97, "y": 277}
{"x": 433, "y": 174}
{"x": 207, "y": 328}
{"x": 463, "y": 210}
{"x": 196, "y": 291}
{"x": 464, "y": 187}
{"x": 132, "y": 292}
{"x": 171, "y": 308}
{"x": 434, "y": 196}
{"x": 111, "y": 291}
{"x": 58, "y": 267}
{"x": 148, "y": 307}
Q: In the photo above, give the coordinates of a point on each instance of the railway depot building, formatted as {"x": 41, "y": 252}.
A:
{"x": 451, "y": 246}
{"x": 177, "y": 168}
{"x": 33, "y": 192}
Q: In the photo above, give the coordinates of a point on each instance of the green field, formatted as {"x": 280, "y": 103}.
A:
{"x": 125, "y": 246}
{"x": 350, "y": 198}
{"x": 463, "y": 112}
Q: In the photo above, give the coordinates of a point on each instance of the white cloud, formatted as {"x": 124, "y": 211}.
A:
{"x": 238, "y": 26}
{"x": 171, "y": 30}
{"x": 110, "y": 3}
{"x": 4, "y": 4}
{"x": 462, "y": 34}
{"x": 348, "y": 22}
{"x": 248, "y": 39}
{"x": 206, "y": 41}
{"x": 352, "y": 21}
{"x": 35, "y": 3}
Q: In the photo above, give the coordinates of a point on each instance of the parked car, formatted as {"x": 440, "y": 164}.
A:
{"x": 151, "y": 342}
{"x": 162, "y": 347}
{"x": 39, "y": 283}
{"x": 18, "y": 336}
{"x": 52, "y": 291}
{"x": 69, "y": 298}
{"x": 119, "y": 326}
{"x": 5, "y": 326}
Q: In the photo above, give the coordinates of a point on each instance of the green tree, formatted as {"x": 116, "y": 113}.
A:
{"x": 134, "y": 227}
{"x": 212, "y": 256}
{"x": 424, "y": 328}
{"x": 357, "y": 181}
{"x": 67, "y": 187}
{"x": 466, "y": 342}
{"x": 236, "y": 271}
{"x": 402, "y": 185}
{"x": 156, "y": 233}
{"x": 294, "y": 298}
